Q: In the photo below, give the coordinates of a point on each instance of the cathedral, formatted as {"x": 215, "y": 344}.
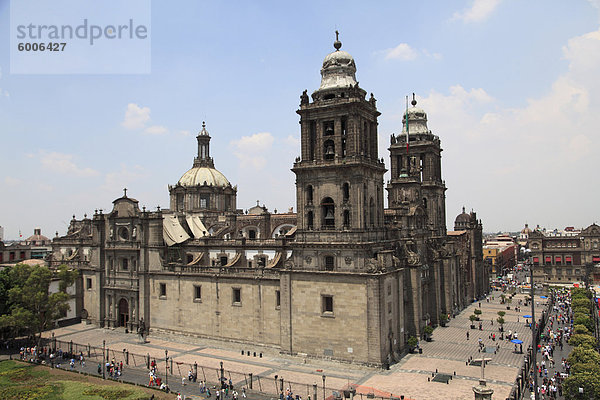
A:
{"x": 343, "y": 278}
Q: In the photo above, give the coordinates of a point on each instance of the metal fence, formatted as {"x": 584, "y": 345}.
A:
{"x": 170, "y": 368}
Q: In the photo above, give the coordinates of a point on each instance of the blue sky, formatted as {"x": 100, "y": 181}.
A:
{"x": 510, "y": 87}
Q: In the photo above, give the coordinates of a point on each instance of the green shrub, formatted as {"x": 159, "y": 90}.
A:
{"x": 501, "y": 313}
{"x": 581, "y": 302}
{"x": 428, "y": 330}
{"x": 412, "y": 342}
{"x": 500, "y": 320}
{"x": 473, "y": 317}
{"x": 477, "y": 311}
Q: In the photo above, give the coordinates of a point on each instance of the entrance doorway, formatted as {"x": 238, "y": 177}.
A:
{"x": 123, "y": 312}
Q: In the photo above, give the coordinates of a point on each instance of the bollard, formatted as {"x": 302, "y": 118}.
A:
{"x": 250, "y": 383}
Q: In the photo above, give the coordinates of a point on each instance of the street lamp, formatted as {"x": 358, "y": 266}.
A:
{"x": 103, "y": 359}
{"x": 166, "y": 367}
{"x": 323, "y": 386}
{"x": 527, "y": 253}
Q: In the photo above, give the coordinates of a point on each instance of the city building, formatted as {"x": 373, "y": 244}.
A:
{"x": 565, "y": 256}
{"x": 500, "y": 254}
{"x": 341, "y": 278}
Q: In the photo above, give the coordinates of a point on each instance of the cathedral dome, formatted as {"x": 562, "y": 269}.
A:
{"x": 199, "y": 176}
{"x": 339, "y": 69}
{"x": 417, "y": 119}
{"x": 462, "y": 219}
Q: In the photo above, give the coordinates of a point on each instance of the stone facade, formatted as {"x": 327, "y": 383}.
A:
{"x": 565, "y": 258}
{"x": 342, "y": 278}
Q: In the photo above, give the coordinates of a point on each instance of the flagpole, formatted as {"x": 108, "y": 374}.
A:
{"x": 406, "y": 117}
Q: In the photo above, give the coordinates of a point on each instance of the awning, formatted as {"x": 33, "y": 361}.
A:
{"x": 196, "y": 226}
{"x": 234, "y": 260}
{"x": 596, "y": 259}
{"x": 548, "y": 259}
{"x": 196, "y": 259}
{"x": 558, "y": 258}
{"x": 536, "y": 259}
{"x": 275, "y": 260}
{"x": 568, "y": 258}
{"x": 173, "y": 232}
{"x": 291, "y": 232}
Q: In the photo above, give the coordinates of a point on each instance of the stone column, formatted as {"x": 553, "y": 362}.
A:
{"x": 482, "y": 392}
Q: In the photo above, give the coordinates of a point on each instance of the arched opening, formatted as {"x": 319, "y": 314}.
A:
{"x": 346, "y": 219}
{"x": 328, "y": 213}
{"x": 309, "y": 194}
{"x": 123, "y": 312}
{"x": 346, "y": 191}
{"x": 309, "y": 220}
{"x": 328, "y": 150}
{"x": 372, "y": 212}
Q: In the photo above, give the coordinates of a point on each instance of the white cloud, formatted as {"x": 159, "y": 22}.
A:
{"x": 184, "y": 132}
{"x": 252, "y": 150}
{"x": 136, "y": 117}
{"x": 292, "y": 141}
{"x": 63, "y": 163}
{"x": 114, "y": 182}
{"x": 541, "y": 150}
{"x": 405, "y": 52}
{"x": 156, "y": 130}
{"x": 401, "y": 52}
{"x": 479, "y": 11}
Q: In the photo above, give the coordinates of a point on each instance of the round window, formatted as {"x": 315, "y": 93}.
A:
{"x": 124, "y": 233}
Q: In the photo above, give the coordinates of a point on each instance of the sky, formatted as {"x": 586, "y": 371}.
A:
{"x": 510, "y": 87}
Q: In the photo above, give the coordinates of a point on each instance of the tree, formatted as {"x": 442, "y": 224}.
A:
{"x": 443, "y": 319}
{"x": 581, "y": 302}
{"x": 412, "y": 343}
{"x": 501, "y": 313}
{"x": 586, "y": 380}
{"x": 30, "y": 308}
{"x": 586, "y": 341}
{"x": 585, "y": 321}
{"x": 581, "y": 355}
{"x": 501, "y": 322}
{"x": 580, "y": 329}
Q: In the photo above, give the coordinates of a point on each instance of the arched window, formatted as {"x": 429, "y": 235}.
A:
{"x": 309, "y": 194}
{"x": 328, "y": 213}
{"x": 346, "y": 191}
{"x": 309, "y": 220}
{"x": 372, "y": 212}
{"x": 328, "y": 150}
{"x": 425, "y": 202}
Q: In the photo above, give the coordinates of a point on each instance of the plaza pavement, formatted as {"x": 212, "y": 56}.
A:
{"x": 447, "y": 353}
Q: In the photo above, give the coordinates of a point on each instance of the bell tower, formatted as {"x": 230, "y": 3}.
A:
{"x": 339, "y": 177}
{"x": 416, "y": 170}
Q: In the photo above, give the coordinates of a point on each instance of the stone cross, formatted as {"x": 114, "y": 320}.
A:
{"x": 124, "y": 192}
{"x": 483, "y": 361}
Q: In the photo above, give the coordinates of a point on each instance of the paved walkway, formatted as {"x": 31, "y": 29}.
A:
{"x": 448, "y": 353}
{"x": 558, "y": 353}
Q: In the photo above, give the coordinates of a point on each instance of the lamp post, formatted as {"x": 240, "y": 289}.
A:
{"x": 103, "y": 358}
{"x": 166, "y": 367}
{"x": 533, "y": 336}
{"x": 323, "y": 386}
